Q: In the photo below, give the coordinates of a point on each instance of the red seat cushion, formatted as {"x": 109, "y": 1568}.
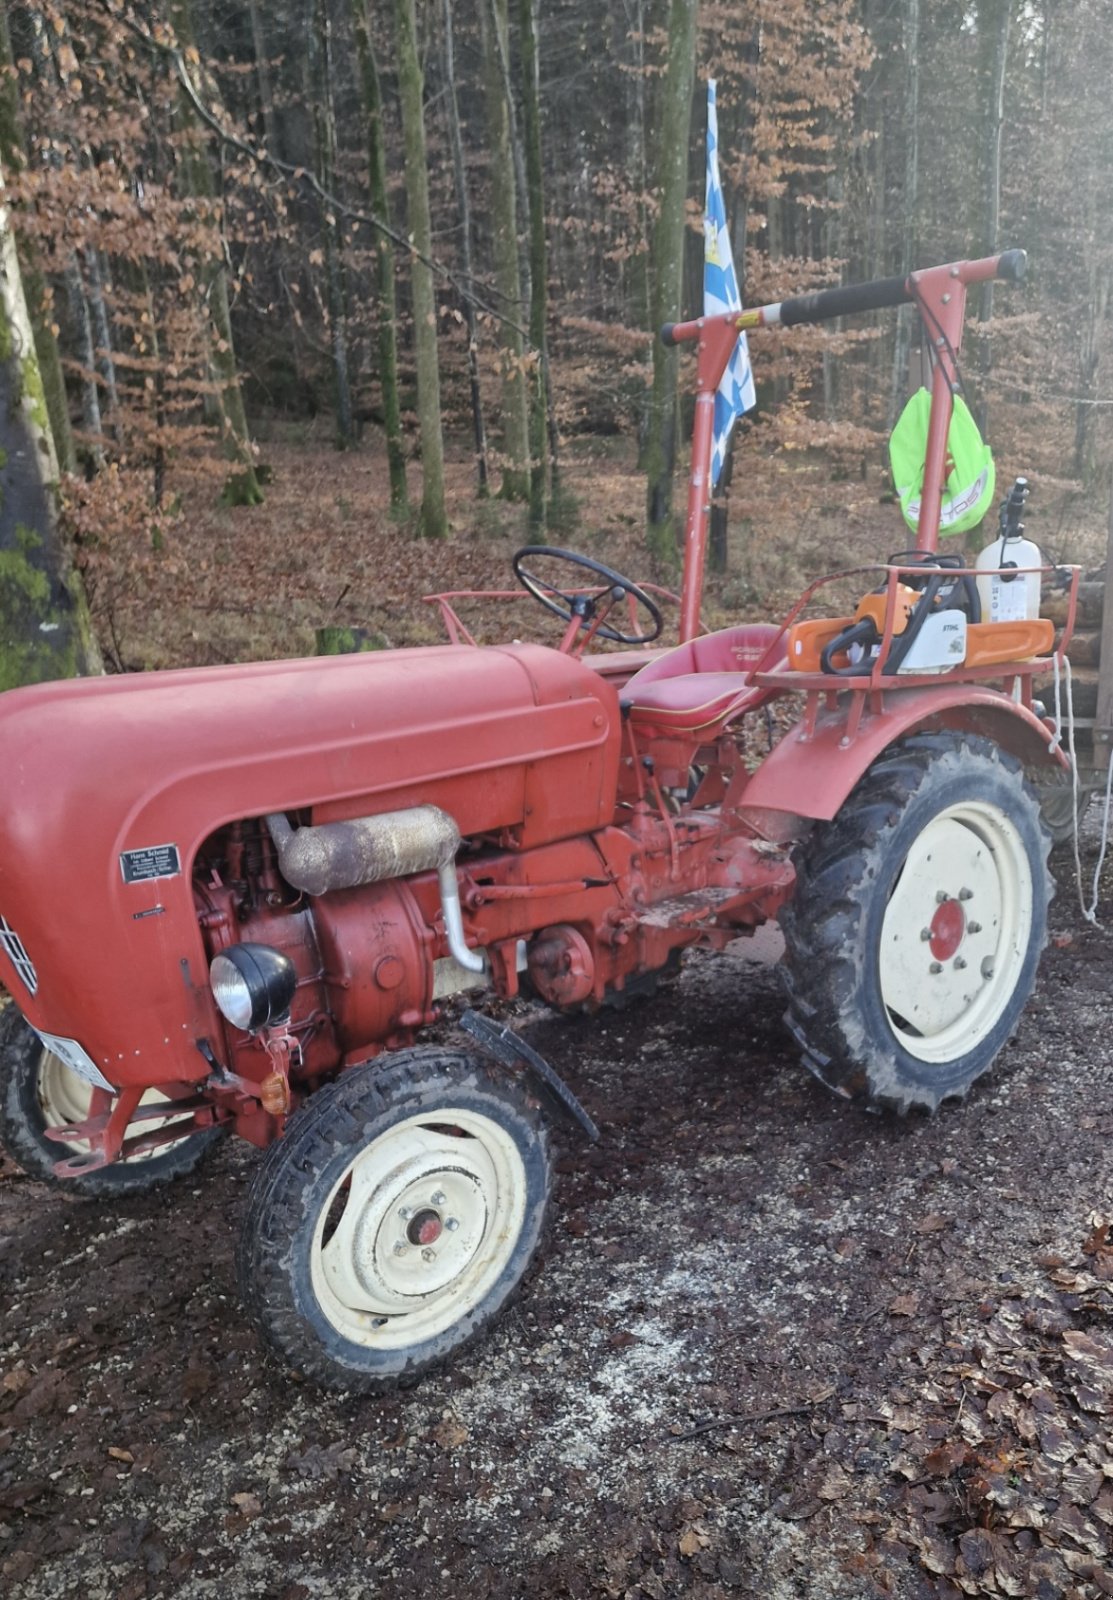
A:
{"x": 701, "y": 683}
{"x": 692, "y": 701}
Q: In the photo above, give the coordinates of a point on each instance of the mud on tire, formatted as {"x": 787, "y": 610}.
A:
{"x": 1061, "y": 808}
{"x": 920, "y": 912}
{"x": 396, "y": 1219}
{"x": 38, "y": 1091}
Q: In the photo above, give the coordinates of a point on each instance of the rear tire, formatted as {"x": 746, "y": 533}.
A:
{"x": 1062, "y": 814}
{"x": 38, "y": 1091}
{"x": 396, "y": 1219}
{"x": 915, "y": 932}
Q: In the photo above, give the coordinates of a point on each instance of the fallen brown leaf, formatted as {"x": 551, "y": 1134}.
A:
{"x": 449, "y": 1434}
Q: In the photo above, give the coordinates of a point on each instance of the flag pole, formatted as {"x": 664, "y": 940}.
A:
{"x": 718, "y": 337}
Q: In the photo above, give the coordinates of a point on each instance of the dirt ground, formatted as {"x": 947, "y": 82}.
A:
{"x": 778, "y": 1347}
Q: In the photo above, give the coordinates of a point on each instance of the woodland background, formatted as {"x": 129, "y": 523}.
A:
{"x": 403, "y": 259}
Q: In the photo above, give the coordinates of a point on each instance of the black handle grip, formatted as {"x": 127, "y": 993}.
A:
{"x": 828, "y": 303}
{"x": 1013, "y": 266}
{"x": 666, "y": 333}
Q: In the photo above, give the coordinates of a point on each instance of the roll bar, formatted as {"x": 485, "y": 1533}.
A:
{"x": 939, "y": 292}
{"x": 876, "y": 295}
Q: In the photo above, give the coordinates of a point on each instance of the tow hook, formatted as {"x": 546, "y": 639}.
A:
{"x": 505, "y": 1046}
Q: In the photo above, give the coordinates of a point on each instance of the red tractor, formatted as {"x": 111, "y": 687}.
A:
{"x": 235, "y": 897}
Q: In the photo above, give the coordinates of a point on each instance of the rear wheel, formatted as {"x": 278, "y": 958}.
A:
{"x": 396, "y": 1219}
{"x": 38, "y": 1091}
{"x": 915, "y": 932}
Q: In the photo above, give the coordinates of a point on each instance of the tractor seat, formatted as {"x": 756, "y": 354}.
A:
{"x": 703, "y": 683}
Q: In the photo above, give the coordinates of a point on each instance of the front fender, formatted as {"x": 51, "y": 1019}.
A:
{"x": 811, "y": 776}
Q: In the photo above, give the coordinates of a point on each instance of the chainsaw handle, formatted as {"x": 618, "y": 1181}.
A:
{"x": 863, "y": 632}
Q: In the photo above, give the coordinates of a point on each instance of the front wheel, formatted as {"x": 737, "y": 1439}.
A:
{"x": 395, "y": 1220}
{"x": 39, "y": 1091}
{"x": 914, "y": 935}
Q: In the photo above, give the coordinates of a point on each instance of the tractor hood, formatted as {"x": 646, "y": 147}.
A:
{"x": 109, "y": 786}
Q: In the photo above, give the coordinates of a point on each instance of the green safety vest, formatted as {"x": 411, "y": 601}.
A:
{"x": 968, "y": 490}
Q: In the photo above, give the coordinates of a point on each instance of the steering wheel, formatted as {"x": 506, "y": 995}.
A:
{"x": 586, "y": 606}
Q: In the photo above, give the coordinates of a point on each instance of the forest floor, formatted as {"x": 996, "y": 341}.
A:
{"x": 204, "y": 583}
{"x": 777, "y": 1348}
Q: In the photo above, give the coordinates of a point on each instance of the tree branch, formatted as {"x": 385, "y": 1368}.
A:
{"x": 307, "y": 180}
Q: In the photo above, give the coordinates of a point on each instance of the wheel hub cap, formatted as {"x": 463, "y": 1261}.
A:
{"x": 948, "y": 926}
{"x": 426, "y": 1228}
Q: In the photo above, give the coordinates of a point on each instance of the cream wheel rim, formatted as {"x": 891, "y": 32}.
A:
{"x": 956, "y": 932}
{"x": 418, "y": 1228}
{"x": 65, "y": 1099}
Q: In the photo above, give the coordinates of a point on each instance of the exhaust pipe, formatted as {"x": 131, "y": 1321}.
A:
{"x": 395, "y": 844}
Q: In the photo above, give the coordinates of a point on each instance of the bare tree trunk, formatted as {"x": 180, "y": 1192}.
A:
{"x": 1089, "y": 363}
{"x": 48, "y": 74}
{"x": 463, "y": 204}
{"x": 667, "y": 271}
{"x": 902, "y": 342}
{"x": 540, "y": 408}
{"x": 263, "y": 74}
{"x": 44, "y": 624}
{"x": 994, "y": 16}
{"x": 324, "y": 146}
{"x": 504, "y": 244}
{"x": 638, "y": 299}
{"x": 86, "y": 260}
{"x": 13, "y": 157}
{"x": 242, "y": 487}
{"x": 434, "y": 523}
{"x": 81, "y": 329}
{"x": 102, "y": 330}
{"x": 384, "y": 256}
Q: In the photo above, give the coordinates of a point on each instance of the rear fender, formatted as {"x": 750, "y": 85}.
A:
{"x": 811, "y": 776}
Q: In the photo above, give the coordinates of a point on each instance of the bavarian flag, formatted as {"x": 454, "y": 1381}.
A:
{"x": 720, "y": 293}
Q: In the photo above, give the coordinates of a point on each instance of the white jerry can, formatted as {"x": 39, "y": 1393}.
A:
{"x": 1009, "y": 596}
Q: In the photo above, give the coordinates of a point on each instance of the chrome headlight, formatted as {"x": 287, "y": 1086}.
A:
{"x": 253, "y": 985}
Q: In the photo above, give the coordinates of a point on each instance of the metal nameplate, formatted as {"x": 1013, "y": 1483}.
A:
{"x": 156, "y": 861}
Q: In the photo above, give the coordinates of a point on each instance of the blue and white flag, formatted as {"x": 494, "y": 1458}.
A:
{"x": 720, "y": 293}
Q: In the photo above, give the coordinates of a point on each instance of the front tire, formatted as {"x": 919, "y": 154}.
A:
{"x": 395, "y": 1220}
{"x": 38, "y": 1091}
{"x": 914, "y": 936}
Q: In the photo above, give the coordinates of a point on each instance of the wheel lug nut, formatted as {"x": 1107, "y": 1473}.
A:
{"x": 973, "y": 927}
{"x": 400, "y": 1247}
{"x": 404, "y": 1212}
{"x": 925, "y": 934}
{"x": 936, "y": 966}
{"x": 941, "y": 897}
{"x": 451, "y": 1224}
{"x": 438, "y": 1197}
{"x": 428, "y": 1255}
{"x": 966, "y": 894}
{"x": 959, "y": 963}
